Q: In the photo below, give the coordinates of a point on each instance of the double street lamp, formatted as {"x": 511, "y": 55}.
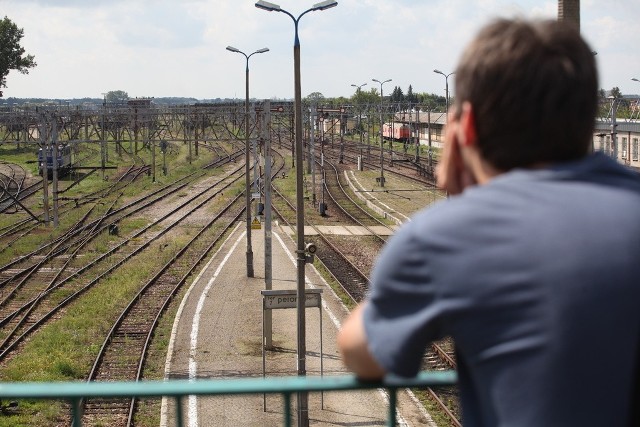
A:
{"x": 381, "y": 134}
{"x": 446, "y": 88}
{"x": 303, "y": 408}
{"x": 246, "y": 156}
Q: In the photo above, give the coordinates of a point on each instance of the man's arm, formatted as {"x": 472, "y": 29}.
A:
{"x": 353, "y": 346}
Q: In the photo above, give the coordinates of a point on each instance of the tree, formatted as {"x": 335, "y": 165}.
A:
{"x": 615, "y": 92}
{"x": 315, "y": 97}
{"x": 363, "y": 98}
{"x": 117, "y": 96}
{"x": 430, "y": 101}
{"x": 410, "y": 96}
{"x": 12, "y": 55}
{"x": 397, "y": 95}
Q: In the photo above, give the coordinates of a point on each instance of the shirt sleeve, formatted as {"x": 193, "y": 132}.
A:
{"x": 404, "y": 308}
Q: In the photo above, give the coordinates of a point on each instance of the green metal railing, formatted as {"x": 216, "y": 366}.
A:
{"x": 74, "y": 392}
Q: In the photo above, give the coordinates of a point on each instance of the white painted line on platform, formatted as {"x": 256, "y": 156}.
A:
{"x": 192, "y": 413}
{"x": 164, "y": 411}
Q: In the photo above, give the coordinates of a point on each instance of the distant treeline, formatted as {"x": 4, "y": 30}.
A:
{"x": 8, "y": 102}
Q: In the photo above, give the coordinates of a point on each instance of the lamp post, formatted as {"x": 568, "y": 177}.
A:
{"x": 303, "y": 407}
{"x": 446, "y": 88}
{"x": 358, "y": 89}
{"x": 247, "y": 179}
{"x": 381, "y": 138}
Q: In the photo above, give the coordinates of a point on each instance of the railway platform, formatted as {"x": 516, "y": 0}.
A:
{"x": 217, "y": 334}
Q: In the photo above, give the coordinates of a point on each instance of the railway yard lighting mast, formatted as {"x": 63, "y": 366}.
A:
{"x": 303, "y": 409}
{"x": 381, "y": 135}
{"x": 247, "y": 156}
{"x": 446, "y": 86}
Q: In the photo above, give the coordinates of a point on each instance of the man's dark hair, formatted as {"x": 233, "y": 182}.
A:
{"x": 533, "y": 86}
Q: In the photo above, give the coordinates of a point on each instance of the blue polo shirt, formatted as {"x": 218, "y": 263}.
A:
{"x": 536, "y": 276}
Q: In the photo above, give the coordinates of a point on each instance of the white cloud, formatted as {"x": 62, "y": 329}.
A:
{"x": 177, "y": 47}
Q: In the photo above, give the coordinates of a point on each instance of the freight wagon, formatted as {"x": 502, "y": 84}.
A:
{"x": 396, "y": 131}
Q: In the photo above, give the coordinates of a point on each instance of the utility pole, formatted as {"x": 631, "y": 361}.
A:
{"x": 103, "y": 155}
{"x": 381, "y": 134}
{"x": 45, "y": 168}
{"x": 54, "y": 159}
{"x": 153, "y": 154}
{"x": 312, "y": 157}
{"x": 614, "y": 127}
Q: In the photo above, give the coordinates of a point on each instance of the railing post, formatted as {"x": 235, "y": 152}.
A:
{"x": 287, "y": 409}
{"x": 76, "y": 409}
{"x": 393, "y": 398}
{"x": 179, "y": 414}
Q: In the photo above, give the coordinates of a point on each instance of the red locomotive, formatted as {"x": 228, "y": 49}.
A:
{"x": 396, "y": 131}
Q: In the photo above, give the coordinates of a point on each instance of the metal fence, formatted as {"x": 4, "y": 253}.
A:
{"x": 74, "y": 392}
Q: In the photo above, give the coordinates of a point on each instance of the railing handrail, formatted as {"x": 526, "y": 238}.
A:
{"x": 288, "y": 385}
{"x": 269, "y": 385}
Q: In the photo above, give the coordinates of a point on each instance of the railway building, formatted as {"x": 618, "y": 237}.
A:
{"x": 619, "y": 139}
{"x": 427, "y": 126}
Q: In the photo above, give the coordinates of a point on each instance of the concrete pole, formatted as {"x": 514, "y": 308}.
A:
{"x": 247, "y": 174}
{"x": 54, "y": 175}
{"x": 303, "y": 397}
{"x": 312, "y": 157}
{"x": 429, "y": 139}
{"x": 153, "y": 159}
{"x": 45, "y": 167}
{"x": 268, "y": 268}
{"x": 256, "y": 163}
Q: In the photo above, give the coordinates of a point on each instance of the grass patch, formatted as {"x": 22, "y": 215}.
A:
{"x": 64, "y": 350}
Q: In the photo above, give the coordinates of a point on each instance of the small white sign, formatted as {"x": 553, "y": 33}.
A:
{"x": 287, "y": 299}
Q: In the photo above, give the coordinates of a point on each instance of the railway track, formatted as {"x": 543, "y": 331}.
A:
{"x": 354, "y": 282}
{"x": 123, "y": 353}
{"x": 337, "y": 191}
{"x": 12, "y": 186}
{"x": 19, "y": 229}
{"x": 29, "y": 298}
{"x": 56, "y": 264}
{"x": 395, "y": 162}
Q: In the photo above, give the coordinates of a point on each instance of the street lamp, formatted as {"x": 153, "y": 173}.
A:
{"x": 303, "y": 407}
{"x": 247, "y": 179}
{"x": 381, "y": 138}
{"x": 635, "y": 80}
{"x": 446, "y": 82}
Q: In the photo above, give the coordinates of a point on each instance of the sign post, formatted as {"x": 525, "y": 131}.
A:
{"x": 288, "y": 298}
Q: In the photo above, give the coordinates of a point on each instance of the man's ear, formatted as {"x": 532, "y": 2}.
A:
{"x": 467, "y": 133}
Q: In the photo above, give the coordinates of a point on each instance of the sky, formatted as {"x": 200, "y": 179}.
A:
{"x": 165, "y": 48}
